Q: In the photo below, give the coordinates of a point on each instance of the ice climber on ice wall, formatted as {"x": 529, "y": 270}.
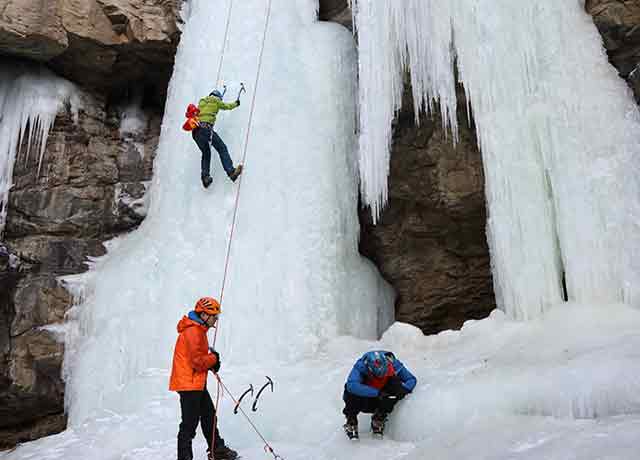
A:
{"x": 376, "y": 383}
{"x": 200, "y": 122}
{"x": 192, "y": 360}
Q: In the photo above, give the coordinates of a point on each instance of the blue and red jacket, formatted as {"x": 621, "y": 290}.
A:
{"x": 361, "y": 383}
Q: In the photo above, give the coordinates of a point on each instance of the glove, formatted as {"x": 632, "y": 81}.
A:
{"x": 238, "y": 102}
{"x": 384, "y": 396}
{"x": 402, "y": 391}
{"x": 386, "y": 401}
{"x": 216, "y": 366}
{"x": 396, "y": 387}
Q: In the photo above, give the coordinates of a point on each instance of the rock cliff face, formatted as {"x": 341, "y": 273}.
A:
{"x": 430, "y": 243}
{"x": 108, "y": 44}
{"x": 91, "y": 187}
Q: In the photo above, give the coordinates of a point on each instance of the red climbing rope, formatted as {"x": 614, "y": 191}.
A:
{"x": 244, "y": 156}
{"x": 235, "y": 208}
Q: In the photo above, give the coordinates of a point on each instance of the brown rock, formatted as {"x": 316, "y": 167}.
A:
{"x": 430, "y": 242}
{"x": 89, "y": 188}
{"x": 32, "y": 390}
{"x": 619, "y": 24}
{"x": 336, "y": 11}
{"x": 32, "y": 29}
{"x": 108, "y": 44}
{"x": 39, "y": 301}
{"x": 46, "y": 425}
{"x": 35, "y": 363}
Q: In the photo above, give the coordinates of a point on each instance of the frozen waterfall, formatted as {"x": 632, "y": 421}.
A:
{"x": 295, "y": 278}
{"x": 558, "y": 129}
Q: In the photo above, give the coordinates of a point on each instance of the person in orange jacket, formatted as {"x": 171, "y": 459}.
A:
{"x": 192, "y": 359}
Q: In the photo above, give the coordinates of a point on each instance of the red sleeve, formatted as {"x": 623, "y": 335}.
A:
{"x": 201, "y": 361}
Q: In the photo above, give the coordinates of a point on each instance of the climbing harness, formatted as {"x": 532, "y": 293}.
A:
{"x": 254, "y": 407}
{"x": 267, "y": 446}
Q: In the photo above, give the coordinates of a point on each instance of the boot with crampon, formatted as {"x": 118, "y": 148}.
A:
{"x": 222, "y": 452}
{"x": 377, "y": 423}
{"x": 351, "y": 428}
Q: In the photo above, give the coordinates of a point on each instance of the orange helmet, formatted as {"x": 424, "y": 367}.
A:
{"x": 208, "y": 305}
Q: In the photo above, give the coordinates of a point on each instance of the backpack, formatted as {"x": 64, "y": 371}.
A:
{"x": 192, "y": 118}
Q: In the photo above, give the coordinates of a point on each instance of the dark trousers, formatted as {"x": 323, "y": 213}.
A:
{"x": 195, "y": 407}
{"x": 205, "y": 137}
{"x": 354, "y": 404}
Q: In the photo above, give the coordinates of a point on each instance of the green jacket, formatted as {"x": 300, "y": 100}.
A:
{"x": 210, "y": 106}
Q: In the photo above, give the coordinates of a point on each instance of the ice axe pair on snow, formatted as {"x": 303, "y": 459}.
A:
{"x": 254, "y": 406}
{"x": 267, "y": 446}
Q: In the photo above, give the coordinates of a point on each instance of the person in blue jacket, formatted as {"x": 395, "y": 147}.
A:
{"x": 376, "y": 383}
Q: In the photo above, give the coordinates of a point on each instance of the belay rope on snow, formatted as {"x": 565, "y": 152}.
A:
{"x": 221, "y": 385}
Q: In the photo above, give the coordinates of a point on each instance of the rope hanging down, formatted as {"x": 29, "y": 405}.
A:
{"x": 224, "y": 43}
{"x": 220, "y": 385}
{"x": 244, "y": 157}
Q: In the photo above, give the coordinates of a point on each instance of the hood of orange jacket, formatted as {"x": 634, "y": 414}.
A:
{"x": 191, "y": 357}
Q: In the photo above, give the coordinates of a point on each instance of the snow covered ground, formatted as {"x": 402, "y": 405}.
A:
{"x": 566, "y": 386}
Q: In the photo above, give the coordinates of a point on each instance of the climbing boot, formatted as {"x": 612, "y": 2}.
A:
{"x": 206, "y": 181}
{"x": 377, "y": 423}
{"x": 235, "y": 173}
{"x": 351, "y": 428}
{"x": 223, "y": 453}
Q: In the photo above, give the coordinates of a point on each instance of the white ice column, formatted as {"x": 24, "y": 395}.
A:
{"x": 30, "y": 98}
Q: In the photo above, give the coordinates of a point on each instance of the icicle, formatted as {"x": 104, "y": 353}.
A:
{"x": 30, "y": 98}
{"x": 560, "y": 148}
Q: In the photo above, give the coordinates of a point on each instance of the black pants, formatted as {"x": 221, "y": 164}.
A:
{"x": 195, "y": 406}
{"x": 205, "y": 137}
{"x": 354, "y": 404}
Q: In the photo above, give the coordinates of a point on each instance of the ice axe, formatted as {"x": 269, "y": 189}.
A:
{"x": 248, "y": 390}
{"x": 242, "y": 89}
{"x": 254, "y": 407}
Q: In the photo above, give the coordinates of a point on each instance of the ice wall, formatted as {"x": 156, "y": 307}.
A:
{"x": 30, "y": 98}
{"x": 558, "y": 129}
{"x": 295, "y": 276}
